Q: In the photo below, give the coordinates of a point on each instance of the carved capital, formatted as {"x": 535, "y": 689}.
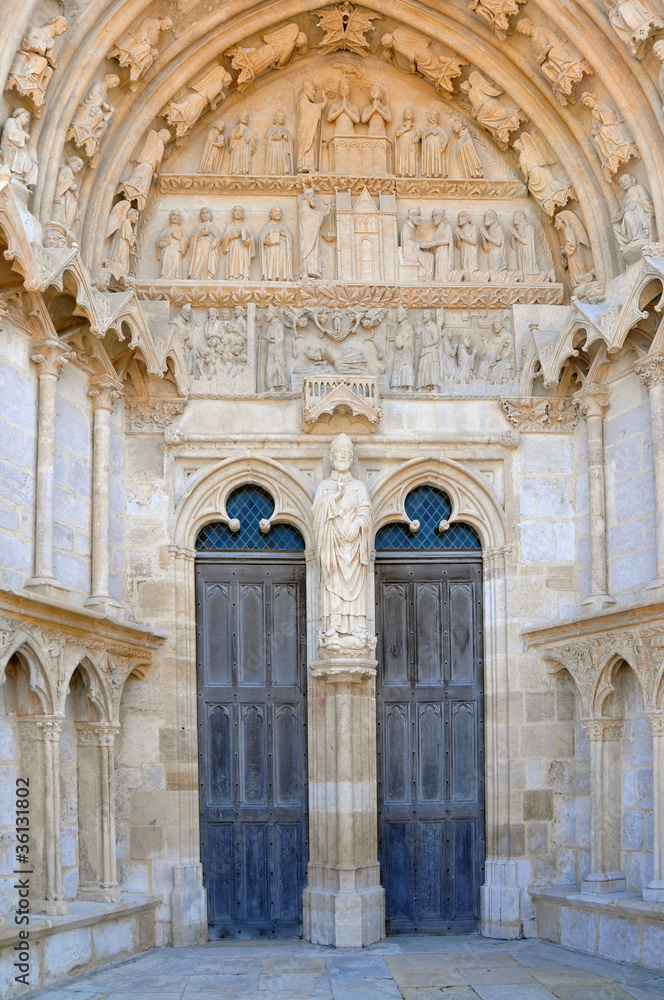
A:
{"x": 657, "y": 723}
{"x": 594, "y": 400}
{"x": 650, "y": 371}
{"x": 97, "y": 734}
{"x": 531, "y": 413}
{"x": 103, "y": 391}
{"x": 43, "y": 728}
{"x": 50, "y": 356}
{"x": 604, "y": 729}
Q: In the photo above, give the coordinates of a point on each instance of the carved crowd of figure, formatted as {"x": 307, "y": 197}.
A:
{"x": 223, "y": 350}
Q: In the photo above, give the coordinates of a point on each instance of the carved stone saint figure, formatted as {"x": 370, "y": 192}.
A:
{"x": 276, "y": 376}
{"x": 468, "y": 239}
{"x": 205, "y": 244}
{"x": 276, "y": 245}
{"x": 137, "y": 48}
{"x": 238, "y": 247}
{"x": 466, "y": 354}
{"x": 213, "y": 153}
{"x": 342, "y": 112}
{"x": 278, "y": 49}
{"x": 496, "y": 13}
{"x": 34, "y": 62}
{"x": 343, "y": 523}
{"x": 279, "y": 151}
{"x": 435, "y": 160}
{"x": 241, "y": 145}
{"x": 376, "y": 114}
{"x": 610, "y": 135}
{"x": 91, "y": 118}
{"x": 428, "y": 368}
{"x": 19, "y": 156}
{"x": 468, "y": 161}
{"x": 148, "y": 161}
{"x": 524, "y": 243}
{"x": 65, "y": 201}
{"x": 412, "y": 52}
{"x": 634, "y": 21}
{"x": 493, "y": 244}
{"x": 407, "y": 137}
{"x": 172, "y": 245}
{"x": 548, "y": 189}
{"x": 412, "y": 247}
{"x": 403, "y": 364}
{"x": 206, "y": 92}
{"x": 561, "y": 65}
{"x": 496, "y": 118}
{"x": 310, "y": 220}
{"x": 635, "y": 225}
{"x": 121, "y": 227}
{"x": 442, "y": 244}
{"x": 309, "y": 112}
{"x": 575, "y": 249}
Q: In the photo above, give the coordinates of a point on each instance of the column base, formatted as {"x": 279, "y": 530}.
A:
{"x": 49, "y": 587}
{"x": 598, "y": 602}
{"x": 654, "y": 891}
{"x": 500, "y": 899}
{"x": 602, "y": 882}
{"x": 344, "y": 919}
{"x": 188, "y": 905}
{"x": 104, "y": 605}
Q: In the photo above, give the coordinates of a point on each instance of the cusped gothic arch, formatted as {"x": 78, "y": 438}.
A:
{"x": 605, "y": 683}
{"x": 205, "y": 500}
{"x": 96, "y": 688}
{"x": 41, "y": 666}
{"x": 472, "y": 498}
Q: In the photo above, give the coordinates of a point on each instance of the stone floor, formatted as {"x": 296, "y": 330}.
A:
{"x": 412, "y": 968}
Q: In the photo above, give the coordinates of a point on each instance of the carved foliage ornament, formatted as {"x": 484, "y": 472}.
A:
{"x": 345, "y": 27}
{"x": 541, "y": 415}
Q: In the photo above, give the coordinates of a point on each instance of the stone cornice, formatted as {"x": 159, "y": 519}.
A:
{"x": 598, "y": 624}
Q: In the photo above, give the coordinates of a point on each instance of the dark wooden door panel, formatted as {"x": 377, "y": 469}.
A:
{"x": 430, "y": 761}
{"x": 252, "y": 742}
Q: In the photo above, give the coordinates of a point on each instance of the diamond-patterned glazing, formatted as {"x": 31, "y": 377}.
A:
{"x": 429, "y": 506}
{"x": 249, "y": 504}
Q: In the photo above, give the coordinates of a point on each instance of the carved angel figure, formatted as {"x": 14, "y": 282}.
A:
{"x": 91, "y": 118}
{"x": 561, "y": 65}
{"x": 205, "y": 243}
{"x": 276, "y": 375}
{"x": 34, "y": 62}
{"x": 242, "y": 145}
{"x": 278, "y": 49}
{"x": 610, "y": 135}
{"x": 412, "y": 52}
{"x": 65, "y": 201}
{"x": 500, "y": 120}
{"x": 148, "y": 161}
{"x": 542, "y": 182}
{"x": 279, "y": 152}
{"x": 468, "y": 161}
{"x": 635, "y": 225}
{"x": 172, "y": 245}
{"x": 19, "y": 156}
{"x": 121, "y": 226}
{"x": 435, "y": 159}
{"x": 137, "y": 48}
{"x": 634, "y": 21}
{"x": 276, "y": 245}
{"x": 575, "y": 249}
{"x": 403, "y": 363}
{"x": 206, "y": 92}
{"x": 407, "y": 136}
{"x": 309, "y": 112}
{"x": 237, "y": 247}
{"x": 310, "y": 220}
{"x": 496, "y": 13}
{"x": 213, "y": 153}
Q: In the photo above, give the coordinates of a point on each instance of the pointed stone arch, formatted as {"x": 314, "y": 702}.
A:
{"x": 41, "y": 665}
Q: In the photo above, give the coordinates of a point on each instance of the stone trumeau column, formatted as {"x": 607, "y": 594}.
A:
{"x": 654, "y": 891}
{"x": 343, "y": 900}
{"x": 50, "y": 356}
{"x": 594, "y": 402}
{"x": 605, "y": 737}
{"x": 103, "y": 391}
{"x": 651, "y": 373}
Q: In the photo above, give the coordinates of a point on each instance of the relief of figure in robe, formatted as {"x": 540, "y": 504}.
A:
{"x": 407, "y": 136}
{"x": 278, "y": 49}
{"x": 412, "y": 248}
{"x": 493, "y": 244}
{"x": 496, "y": 13}
{"x": 279, "y": 142}
{"x": 403, "y": 363}
{"x": 524, "y": 244}
{"x": 435, "y": 159}
{"x": 575, "y": 249}
{"x": 20, "y": 157}
{"x": 428, "y": 367}
{"x": 310, "y": 220}
{"x": 172, "y": 245}
{"x": 137, "y": 48}
{"x": 561, "y": 65}
{"x": 92, "y": 117}
{"x": 634, "y": 21}
{"x": 65, "y": 202}
{"x": 468, "y": 239}
{"x": 276, "y": 374}
{"x": 241, "y": 145}
{"x": 276, "y": 245}
{"x": 412, "y": 52}
{"x": 213, "y": 153}
{"x": 635, "y": 224}
{"x": 206, "y": 92}
{"x": 238, "y": 247}
{"x": 376, "y": 114}
{"x": 148, "y": 161}
{"x": 205, "y": 244}
{"x": 543, "y": 183}
{"x": 342, "y": 112}
{"x": 469, "y": 163}
{"x": 442, "y": 244}
{"x": 34, "y": 62}
{"x": 611, "y": 136}
{"x": 309, "y": 112}
{"x": 498, "y": 119}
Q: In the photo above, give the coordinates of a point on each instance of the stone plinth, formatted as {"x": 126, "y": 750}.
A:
{"x": 343, "y": 901}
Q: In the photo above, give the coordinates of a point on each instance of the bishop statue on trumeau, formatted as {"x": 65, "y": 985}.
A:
{"x": 343, "y": 523}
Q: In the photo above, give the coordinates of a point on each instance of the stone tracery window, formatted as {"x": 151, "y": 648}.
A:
{"x": 431, "y": 508}
{"x": 250, "y": 505}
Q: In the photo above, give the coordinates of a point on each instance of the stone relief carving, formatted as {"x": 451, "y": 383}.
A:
{"x": 224, "y": 351}
{"x": 19, "y": 156}
{"x": 151, "y": 416}
{"x": 242, "y": 144}
{"x": 310, "y": 220}
{"x": 345, "y": 27}
{"x": 635, "y": 225}
{"x": 441, "y": 243}
{"x": 137, "y": 186}
{"x": 277, "y": 50}
{"x": 496, "y": 13}
{"x": 65, "y": 200}
{"x": 238, "y": 247}
{"x": 343, "y": 523}
{"x": 280, "y": 148}
{"x": 213, "y": 153}
{"x": 635, "y": 21}
{"x": 121, "y": 230}
{"x": 411, "y": 246}
{"x": 611, "y": 136}
{"x": 467, "y": 235}
{"x": 276, "y": 249}
{"x": 468, "y": 161}
{"x": 412, "y": 52}
{"x": 538, "y": 415}
{"x": 276, "y": 374}
{"x": 407, "y": 142}
{"x": 35, "y": 61}
{"x": 182, "y": 326}
{"x": 576, "y": 252}
{"x": 548, "y": 189}
{"x": 498, "y": 119}
{"x": 533, "y": 258}
{"x": 560, "y": 63}
{"x": 92, "y": 117}
{"x": 136, "y": 50}
{"x": 435, "y": 153}
{"x": 205, "y": 93}
{"x": 172, "y": 246}
{"x": 309, "y": 115}
{"x": 205, "y": 247}
{"x": 403, "y": 359}
{"x": 342, "y": 112}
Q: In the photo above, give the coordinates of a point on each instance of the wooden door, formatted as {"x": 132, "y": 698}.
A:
{"x": 252, "y": 741}
{"x": 430, "y": 754}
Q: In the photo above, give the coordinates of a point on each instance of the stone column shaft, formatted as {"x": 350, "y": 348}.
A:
{"x": 103, "y": 392}
{"x": 594, "y": 402}
{"x": 96, "y": 810}
{"x": 651, "y": 372}
{"x": 654, "y": 891}
{"x": 50, "y": 356}
{"x": 605, "y": 814}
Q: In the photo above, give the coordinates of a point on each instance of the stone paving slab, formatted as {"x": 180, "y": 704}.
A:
{"x": 401, "y": 968}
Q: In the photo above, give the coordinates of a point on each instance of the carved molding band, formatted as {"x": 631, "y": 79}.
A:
{"x": 542, "y": 415}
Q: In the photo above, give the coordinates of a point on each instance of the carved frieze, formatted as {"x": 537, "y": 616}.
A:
{"x": 538, "y": 415}
{"x": 416, "y": 187}
{"x": 151, "y": 416}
